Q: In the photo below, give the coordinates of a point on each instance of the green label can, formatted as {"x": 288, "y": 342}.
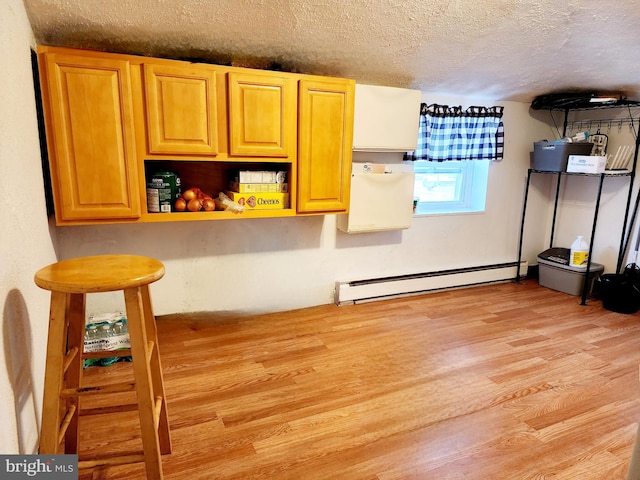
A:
{"x": 162, "y": 191}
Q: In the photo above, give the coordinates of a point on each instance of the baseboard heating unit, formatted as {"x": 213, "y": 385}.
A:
{"x": 360, "y": 291}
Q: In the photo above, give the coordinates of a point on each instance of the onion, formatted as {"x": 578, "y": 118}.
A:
{"x": 190, "y": 194}
{"x": 194, "y": 205}
{"x": 208, "y": 205}
{"x": 181, "y": 204}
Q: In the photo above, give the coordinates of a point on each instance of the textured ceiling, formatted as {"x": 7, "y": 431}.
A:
{"x": 498, "y": 49}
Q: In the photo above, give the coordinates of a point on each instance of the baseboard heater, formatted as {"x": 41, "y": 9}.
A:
{"x": 360, "y": 291}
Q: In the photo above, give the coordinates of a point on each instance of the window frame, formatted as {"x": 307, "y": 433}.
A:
{"x": 472, "y": 192}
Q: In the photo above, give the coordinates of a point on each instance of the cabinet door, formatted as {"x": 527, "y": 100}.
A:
{"x": 262, "y": 115}
{"x": 181, "y": 109}
{"x": 91, "y": 137}
{"x": 325, "y": 136}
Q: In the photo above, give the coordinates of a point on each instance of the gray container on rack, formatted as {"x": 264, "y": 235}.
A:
{"x": 554, "y": 156}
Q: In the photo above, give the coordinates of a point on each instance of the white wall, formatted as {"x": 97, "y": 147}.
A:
{"x": 278, "y": 264}
{"x": 25, "y": 240}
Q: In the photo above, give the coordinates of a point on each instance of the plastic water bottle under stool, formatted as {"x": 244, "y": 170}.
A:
{"x": 579, "y": 255}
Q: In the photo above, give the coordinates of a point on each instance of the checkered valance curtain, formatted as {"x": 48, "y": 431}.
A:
{"x": 451, "y": 133}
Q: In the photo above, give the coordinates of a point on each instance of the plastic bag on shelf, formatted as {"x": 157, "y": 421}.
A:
{"x": 225, "y": 203}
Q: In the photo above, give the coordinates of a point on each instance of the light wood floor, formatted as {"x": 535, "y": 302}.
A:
{"x": 509, "y": 381}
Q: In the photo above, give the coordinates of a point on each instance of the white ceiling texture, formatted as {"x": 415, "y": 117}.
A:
{"x": 496, "y": 49}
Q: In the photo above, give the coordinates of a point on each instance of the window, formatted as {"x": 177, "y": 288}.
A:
{"x": 450, "y": 187}
{"x": 452, "y": 160}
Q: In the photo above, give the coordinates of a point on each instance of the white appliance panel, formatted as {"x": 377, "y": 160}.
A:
{"x": 381, "y": 198}
{"x": 386, "y": 119}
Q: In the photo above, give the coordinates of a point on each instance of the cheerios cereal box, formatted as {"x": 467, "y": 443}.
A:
{"x": 260, "y": 201}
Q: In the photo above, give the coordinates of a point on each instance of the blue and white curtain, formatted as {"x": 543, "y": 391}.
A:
{"x": 451, "y": 133}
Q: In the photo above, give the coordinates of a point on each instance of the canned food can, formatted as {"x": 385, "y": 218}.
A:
{"x": 163, "y": 189}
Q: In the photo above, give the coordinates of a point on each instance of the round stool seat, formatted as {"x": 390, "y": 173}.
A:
{"x": 100, "y": 273}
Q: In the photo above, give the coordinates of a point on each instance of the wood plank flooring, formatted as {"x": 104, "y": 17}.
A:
{"x": 507, "y": 381}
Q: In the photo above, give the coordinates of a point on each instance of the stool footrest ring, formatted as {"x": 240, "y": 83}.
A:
{"x": 71, "y": 354}
{"x": 158, "y": 408}
{"x": 65, "y": 422}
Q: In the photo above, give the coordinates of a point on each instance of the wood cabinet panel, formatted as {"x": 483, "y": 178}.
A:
{"x": 91, "y": 137}
{"x": 262, "y": 115}
{"x": 325, "y": 136}
{"x": 181, "y": 109}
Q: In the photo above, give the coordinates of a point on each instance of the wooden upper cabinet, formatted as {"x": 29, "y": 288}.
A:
{"x": 111, "y": 119}
{"x": 181, "y": 109}
{"x": 325, "y": 138}
{"x": 262, "y": 115}
{"x": 90, "y": 132}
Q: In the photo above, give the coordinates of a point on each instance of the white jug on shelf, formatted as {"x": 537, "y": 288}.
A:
{"x": 579, "y": 255}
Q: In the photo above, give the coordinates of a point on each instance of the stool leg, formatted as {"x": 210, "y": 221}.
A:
{"x": 156, "y": 371}
{"x": 144, "y": 386}
{"x": 75, "y": 342}
{"x": 54, "y": 374}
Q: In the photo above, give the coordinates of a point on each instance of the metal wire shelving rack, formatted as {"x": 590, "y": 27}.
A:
{"x": 629, "y": 213}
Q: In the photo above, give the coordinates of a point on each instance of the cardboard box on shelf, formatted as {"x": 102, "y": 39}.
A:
{"x": 258, "y": 187}
{"x": 259, "y": 176}
{"x": 260, "y": 201}
{"x": 586, "y": 164}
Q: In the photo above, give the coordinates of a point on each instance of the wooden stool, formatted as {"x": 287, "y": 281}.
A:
{"x": 69, "y": 281}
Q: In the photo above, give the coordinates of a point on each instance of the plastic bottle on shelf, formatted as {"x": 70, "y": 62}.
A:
{"x": 121, "y": 334}
{"x": 92, "y": 338}
{"x": 107, "y": 335}
{"x": 580, "y": 137}
{"x": 579, "y": 255}
{"x": 92, "y": 343}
